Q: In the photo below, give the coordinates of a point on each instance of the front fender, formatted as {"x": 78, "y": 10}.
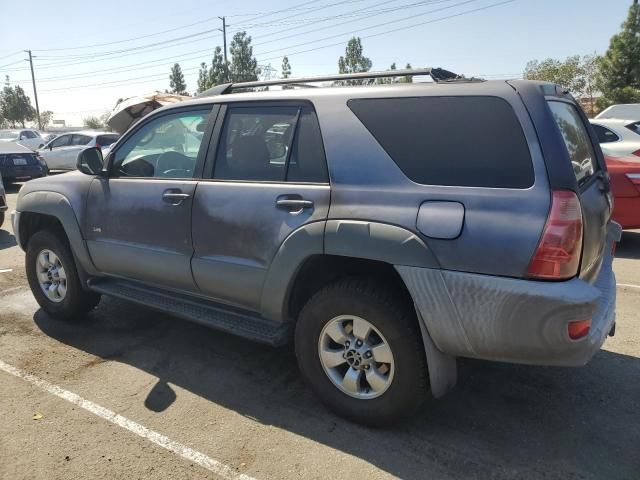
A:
{"x": 58, "y": 206}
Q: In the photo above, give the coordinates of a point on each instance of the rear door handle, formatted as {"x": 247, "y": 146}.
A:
{"x": 174, "y": 196}
{"x": 293, "y": 204}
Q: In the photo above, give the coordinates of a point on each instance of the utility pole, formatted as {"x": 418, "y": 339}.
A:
{"x": 35, "y": 92}
{"x": 224, "y": 37}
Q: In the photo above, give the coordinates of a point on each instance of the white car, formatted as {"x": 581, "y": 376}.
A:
{"x": 26, "y": 136}
{"x": 617, "y": 137}
{"x": 622, "y": 110}
{"x": 61, "y": 153}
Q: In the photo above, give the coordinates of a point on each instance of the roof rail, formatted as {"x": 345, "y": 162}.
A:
{"x": 437, "y": 74}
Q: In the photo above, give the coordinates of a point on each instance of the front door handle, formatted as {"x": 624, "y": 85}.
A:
{"x": 174, "y": 196}
{"x": 293, "y": 205}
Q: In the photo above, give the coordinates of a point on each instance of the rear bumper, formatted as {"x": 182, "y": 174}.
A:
{"x": 513, "y": 320}
{"x": 26, "y": 171}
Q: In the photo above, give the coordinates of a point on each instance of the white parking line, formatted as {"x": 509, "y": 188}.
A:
{"x": 628, "y": 285}
{"x": 6, "y": 270}
{"x": 219, "y": 468}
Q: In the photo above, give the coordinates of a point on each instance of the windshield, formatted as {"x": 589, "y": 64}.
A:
{"x": 8, "y": 135}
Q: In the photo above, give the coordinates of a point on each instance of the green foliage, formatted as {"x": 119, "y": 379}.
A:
{"x": 620, "y": 65}
{"x": 407, "y": 79}
{"x": 567, "y": 73}
{"x": 354, "y": 61}
{"x": 286, "y": 71}
{"x": 176, "y": 80}
{"x": 45, "y": 118}
{"x": 219, "y": 72}
{"x": 203, "y": 77}
{"x": 244, "y": 66}
{"x": 15, "y": 105}
{"x": 93, "y": 122}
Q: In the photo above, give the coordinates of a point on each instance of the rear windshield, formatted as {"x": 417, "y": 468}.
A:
{"x": 106, "y": 140}
{"x": 455, "y": 141}
{"x": 576, "y": 138}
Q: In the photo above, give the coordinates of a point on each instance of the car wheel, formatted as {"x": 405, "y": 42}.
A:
{"x": 1, "y": 219}
{"x": 360, "y": 349}
{"x": 53, "y": 278}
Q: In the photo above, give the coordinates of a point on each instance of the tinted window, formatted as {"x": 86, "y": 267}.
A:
{"x": 106, "y": 140}
{"x": 576, "y": 139}
{"x": 61, "y": 141}
{"x": 255, "y": 143}
{"x": 604, "y": 134}
{"x": 80, "y": 139}
{"x": 166, "y": 146}
{"x": 634, "y": 127}
{"x": 463, "y": 141}
{"x": 307, "y": 162}
{"x": 28, "y": 134}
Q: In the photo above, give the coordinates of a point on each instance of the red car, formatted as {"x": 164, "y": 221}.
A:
{"x": 625, "y": 185}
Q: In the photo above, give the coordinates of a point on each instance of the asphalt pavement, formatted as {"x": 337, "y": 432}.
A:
{"x": 130, "y": 393}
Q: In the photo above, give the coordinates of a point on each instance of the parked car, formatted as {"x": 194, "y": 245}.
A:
{"x": 61, "y": 153}
{"x": 617, "y": 137}
{"x": 623, "y": 110}
{"x": 18, "y": 162}
{"x": 3, "y": 202}
{"x": 625, "y": 185}
{"x": 26, "y": 136}
{"x": 397, "y": 234}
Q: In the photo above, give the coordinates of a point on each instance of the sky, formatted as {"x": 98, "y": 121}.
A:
{"x": 87, "y": 54}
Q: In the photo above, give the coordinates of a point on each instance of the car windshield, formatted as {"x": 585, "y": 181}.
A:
{"x": 8, "y": 135}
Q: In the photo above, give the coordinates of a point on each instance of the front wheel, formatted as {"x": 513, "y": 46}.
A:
{"x": 360, "y": 349}
{"x": 53, "y": 278}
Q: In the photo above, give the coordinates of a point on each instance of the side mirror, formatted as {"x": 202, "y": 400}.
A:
{"x": 41, "y": 145}
{"x": 90, "y": 161}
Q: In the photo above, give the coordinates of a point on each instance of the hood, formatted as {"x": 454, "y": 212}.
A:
{"x": 130, "y": 110}
{"x": 12, "y": 147}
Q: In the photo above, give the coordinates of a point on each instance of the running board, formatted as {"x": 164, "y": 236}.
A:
{"x": 210, "y": 314}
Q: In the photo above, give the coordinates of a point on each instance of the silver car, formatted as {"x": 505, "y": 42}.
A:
{"x": 61, "y": 152}
{"x": 26, "y": 136}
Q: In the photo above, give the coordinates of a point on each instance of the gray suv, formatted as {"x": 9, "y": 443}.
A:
{"x": 385, "y": 230}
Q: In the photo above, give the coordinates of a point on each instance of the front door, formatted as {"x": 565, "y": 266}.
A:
{"x": 138, "y": 222}
{"x": 267, "y": 178}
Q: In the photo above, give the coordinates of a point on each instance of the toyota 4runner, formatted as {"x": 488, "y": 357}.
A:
{"x": 385, "y": 230}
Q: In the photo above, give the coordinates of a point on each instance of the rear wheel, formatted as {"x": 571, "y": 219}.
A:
{"x": 360, "y": 349}
{"x": 53, "y": 278}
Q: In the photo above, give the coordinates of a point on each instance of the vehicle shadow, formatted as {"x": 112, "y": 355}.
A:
{"x": 12, "y": 187}
{"x": 501, "y": 421}
{"x": 629, "y": 245}
{"x": 7, "y": 240}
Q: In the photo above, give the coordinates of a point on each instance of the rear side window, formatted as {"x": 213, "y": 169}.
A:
{"x": 106, "y": 140}
{"x": 576, "y": 139}
{"x": 604, "y": 134}
{"x": 80, "y": 140}
{"x": 455, "y": 141}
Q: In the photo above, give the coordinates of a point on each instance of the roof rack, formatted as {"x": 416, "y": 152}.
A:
{"x": 438, "y": 75}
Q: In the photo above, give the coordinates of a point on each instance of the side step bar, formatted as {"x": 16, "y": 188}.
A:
{"x": 210, "y": 314}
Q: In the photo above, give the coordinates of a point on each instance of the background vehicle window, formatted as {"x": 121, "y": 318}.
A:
{"x": 604, "y": 134}
{"x": 634, "y": 127}
{"x": 106, "y": 140}
{"x": 28, "y": 134}
{"x": 255, "y": 143}
{"x": 61, "y": 141}
{"x": 167, "y": 146}
{"x": 576, "y": 139}
{"x": 80, "y": 139}
{"x": 461, "y": 141}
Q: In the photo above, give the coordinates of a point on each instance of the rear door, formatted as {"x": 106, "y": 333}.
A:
{"x": 593, "y": 183}
{"x": 54, "y": 154}
{"x": 266, "y": 178}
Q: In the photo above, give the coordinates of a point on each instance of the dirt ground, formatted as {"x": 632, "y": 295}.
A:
{"x": 244, "y": 405}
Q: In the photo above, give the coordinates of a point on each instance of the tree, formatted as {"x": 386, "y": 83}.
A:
{"x": 176, "y": 80}
{"x": 45, "y": 118}
{"x": 567, "y": 73}
{"x": 620, "y": 66}
{"x": 286, "y": 71}
{"x": 407, "y": 78}
{"x": 15, "y": 104}
{"x": 203, "y": 78}
{"x": 353, "y": 61}
{"x": 93, "y": 123}
{"x": 219, "y": 72}
{"x": 244, "y": 66}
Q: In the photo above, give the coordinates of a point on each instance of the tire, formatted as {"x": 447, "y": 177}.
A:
{"x": 75, "y": 302}
{"x": 1, "y": 219}
{"x": 394, "y": 322}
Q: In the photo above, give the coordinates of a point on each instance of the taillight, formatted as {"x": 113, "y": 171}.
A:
{"x": 578, "y": 329}
{"x": 558, "y": 254}
{"x": 636, "y": 153}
